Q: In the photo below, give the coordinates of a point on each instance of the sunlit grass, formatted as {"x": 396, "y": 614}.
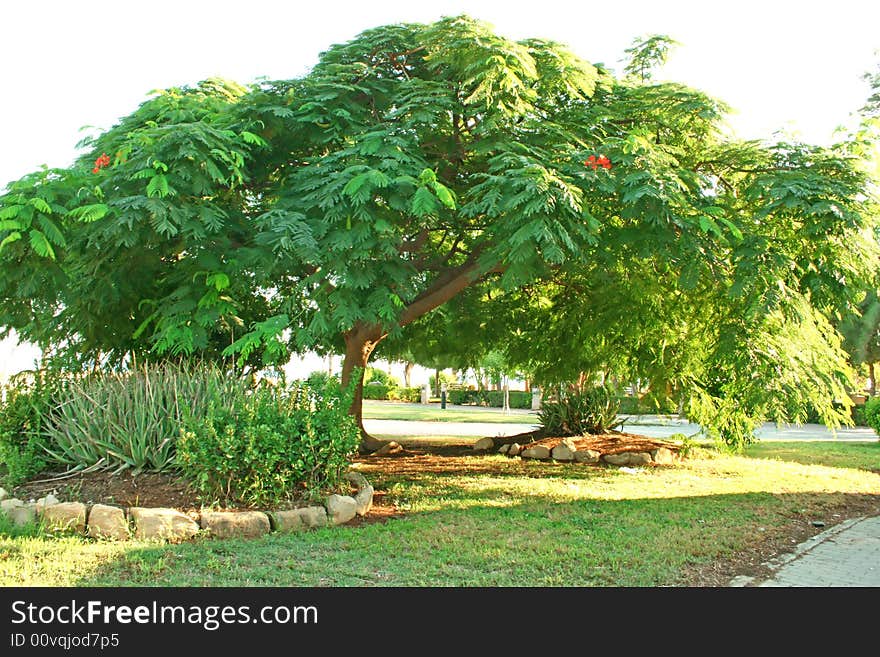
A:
{"x": 494, "y": 521}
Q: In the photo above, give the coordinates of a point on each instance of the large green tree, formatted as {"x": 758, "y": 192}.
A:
{"x": 409, "y": 165}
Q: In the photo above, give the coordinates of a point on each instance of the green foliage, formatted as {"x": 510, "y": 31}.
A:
{"x": 576, "y": 412}
{"x": 871, "y": 413}
{"x": 412, "y": 395}
{"x": 649, "y": 406}
{"x": 26, "y": 401}
{"x": 418, "y": 165}
{"x": 277, "y": 444}
{"x": 516, "y": 398}
{"x": 647, "y": 54}
{"x": 376, "y": 391}
{"x": 373, "y": 374}
{"x": 131, "y": 420}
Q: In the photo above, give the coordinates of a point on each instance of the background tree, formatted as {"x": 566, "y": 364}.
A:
{"x": 415, "y": 162}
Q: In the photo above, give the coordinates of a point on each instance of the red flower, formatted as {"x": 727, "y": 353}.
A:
{"x": 102, "y": 161}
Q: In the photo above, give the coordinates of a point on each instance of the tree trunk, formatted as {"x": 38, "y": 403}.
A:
{"x": 872, "y": 374}
{"x": 437, "y": 382}
{"x": 407, "y": 373}
{"x": 359, "y": 345}
{"x": 506, "y": 403}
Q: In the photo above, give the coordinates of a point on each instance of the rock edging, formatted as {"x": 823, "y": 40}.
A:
{"x": 566, "y": 452}
{"x": 116, "y": 523}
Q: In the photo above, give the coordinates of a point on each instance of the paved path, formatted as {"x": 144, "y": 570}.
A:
{"x": 423, "y": 428}
{"x": 647, "y": 426}
{"x": 846, "y": 555}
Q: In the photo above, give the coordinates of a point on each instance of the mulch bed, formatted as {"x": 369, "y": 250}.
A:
{"x": 613, "y": 442}
{"x": 150, "y": 489}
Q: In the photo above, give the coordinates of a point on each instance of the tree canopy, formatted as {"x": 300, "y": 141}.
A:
{"x": 602, "y": 220}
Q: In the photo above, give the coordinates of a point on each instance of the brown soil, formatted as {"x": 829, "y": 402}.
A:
{"x": 151, "y": 489}
{"x": 613, "y": 442}
{"x": 781, "y": 540}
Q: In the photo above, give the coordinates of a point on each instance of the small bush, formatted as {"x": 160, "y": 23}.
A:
{"x": 517, "y": 399}
{"x": 858, "y": 416}
{"x": 24, "y": 402}
{"x": 871, "y": 412}
{"x": 319, "y": 378}
{"x": 275, "y": 445}
{"x": 411, "y": 395}
{"x": 376, "y": 375}
{"x": 375, "y": 391}
{"x": 575, "y": 413}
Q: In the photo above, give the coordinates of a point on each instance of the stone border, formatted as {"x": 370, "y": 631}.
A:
{"x": 113, "y": 522}
{"x": 567, "y": 451}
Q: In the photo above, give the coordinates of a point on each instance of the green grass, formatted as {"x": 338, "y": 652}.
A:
{"x": 836, "y": 454}
{"x": 379, "y": 410}
{"x": 493, "y": 521}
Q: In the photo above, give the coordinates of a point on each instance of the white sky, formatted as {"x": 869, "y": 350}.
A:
{"x": 782, "y": 65}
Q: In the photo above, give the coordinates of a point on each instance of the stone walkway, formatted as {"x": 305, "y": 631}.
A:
{"x": 846, "y": 555}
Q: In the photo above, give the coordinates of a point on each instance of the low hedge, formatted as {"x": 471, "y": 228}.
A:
{"x": 394, "y": 393}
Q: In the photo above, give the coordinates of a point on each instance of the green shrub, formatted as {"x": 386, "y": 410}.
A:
{"x": 412, "y": 395}
{"x": 319, "y": 378}
{"x": 275, "y": 445}
{"x": 375, "y": 391}
{"x": 373, "y": 374}
{"x": 630, "y": 405}
{"x": 131, "y": 419}
{"x": 517, "y": 399}
{"x": 574, "y": 413}
{"x": 871, "y": 412}
{"x": 464, "y": 396}
{"x": 24, "y": 403}
{"x": 858, "y": 416}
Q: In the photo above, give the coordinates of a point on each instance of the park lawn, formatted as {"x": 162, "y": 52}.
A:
{"x": 379, "y": 410}
{"x": 494, "y": 521}
{"x": 864, "y": 455}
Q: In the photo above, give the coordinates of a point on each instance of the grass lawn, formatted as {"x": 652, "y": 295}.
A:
{"x": 840, "y": 454}
{"x": 379, "y": 410}
{"x": 493, "y": 521}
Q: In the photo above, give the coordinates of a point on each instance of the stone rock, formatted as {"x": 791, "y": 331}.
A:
{"x": 483, "y": 444}
{"x": 49, "y": 500}
{"x": 357, "y": 479}
{"x": 536, "y": 452}
{"x": 515, "y": 449}
{"x": 563, "y": 452}
{"x": 3, "y": 494}
{"x": 639, "y": 458}
{"x": 108, "y": 522}
{"x": 165, "y": 524}
{"x": 391, "y": 447}
{"x": 64, "y": 516}
{"x": 341, "y": 508}
{"x": 235, "y": 524}
{"x": 663, "y": 455}
{"x": 504, "y": 449}
{"x": 23, "y": 514}
{"x": 617, "y": 459}
{"x": 298, "y": 519}
{"x": 364, "y": 499}
{"x": 7, "y": 505}
{"x": 586, "y": 456}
